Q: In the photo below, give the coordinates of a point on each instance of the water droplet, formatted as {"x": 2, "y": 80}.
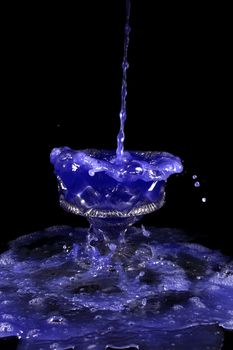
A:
{"x": 65, "y": 248}
{"x": 144, "y": 302}
{"x": 197, "y": 184}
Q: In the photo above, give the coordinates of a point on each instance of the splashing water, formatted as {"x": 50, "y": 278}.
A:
{"x": 69, "y": 288}
{"x": 60, "y": 290}
{"x": 125, "y": 65}
{"x": 197, "y": 184}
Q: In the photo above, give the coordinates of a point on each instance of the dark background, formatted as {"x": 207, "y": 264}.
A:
{"x": 63, "y": 69}
{"x": 62, "y": 87}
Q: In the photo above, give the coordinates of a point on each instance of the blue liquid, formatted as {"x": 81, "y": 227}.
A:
{"x": 125, "y": 65}
{"x": 82, "y": 289}
{"x": 93, "y": 180}
{"x": 67, "y": 287}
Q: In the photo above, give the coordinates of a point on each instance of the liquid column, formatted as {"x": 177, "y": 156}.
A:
{"x": 125, "y": 65}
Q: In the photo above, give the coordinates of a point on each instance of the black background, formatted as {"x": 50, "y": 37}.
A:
{"x": 62, "y": 87}
{"x": 63, "y": 82}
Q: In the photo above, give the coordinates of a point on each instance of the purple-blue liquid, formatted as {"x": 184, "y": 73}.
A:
{"x": 94, "y": 180}
{"x": 151, "y": 290}
{"x": 125, "y": 65}
{"x": 86, "y": 289}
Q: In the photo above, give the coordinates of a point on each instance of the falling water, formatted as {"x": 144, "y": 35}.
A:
{"x": 125, "y": 65}
{"x": 152, "y": 289}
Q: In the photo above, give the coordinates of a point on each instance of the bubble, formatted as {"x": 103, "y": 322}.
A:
{"x": 97, "y": 317}
{"x": 197, "y": 184}
{"x": 194, "y": 177}
{"x": 204, "y": 199}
